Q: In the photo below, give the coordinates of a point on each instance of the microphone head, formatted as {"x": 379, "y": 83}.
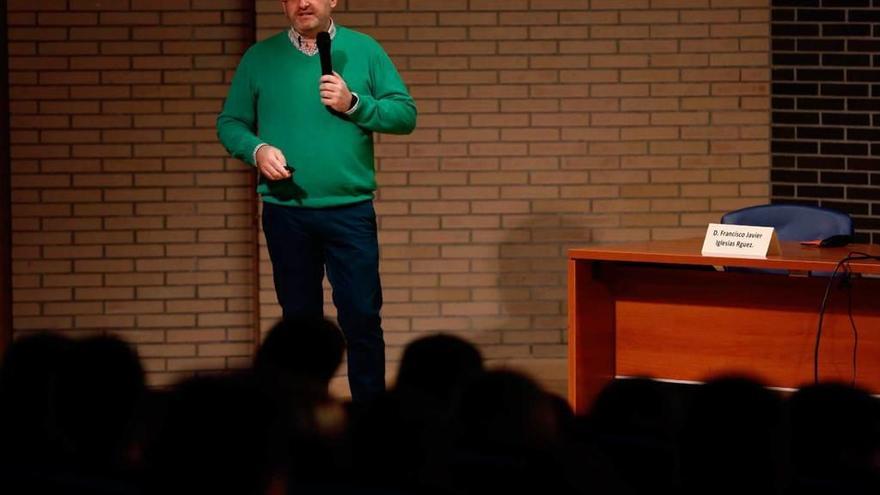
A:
{"x": 323, "y": 40}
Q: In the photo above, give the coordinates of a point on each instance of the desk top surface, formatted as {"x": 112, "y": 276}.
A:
{"x": 793, "y": 257}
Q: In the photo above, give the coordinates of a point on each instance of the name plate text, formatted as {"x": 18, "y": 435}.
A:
{"x": 744, "y": 241}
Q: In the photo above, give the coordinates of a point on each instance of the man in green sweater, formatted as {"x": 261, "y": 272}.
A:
{"x": 311, "y": 138}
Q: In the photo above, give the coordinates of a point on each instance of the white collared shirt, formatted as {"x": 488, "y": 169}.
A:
{"x": 298, "y": 41}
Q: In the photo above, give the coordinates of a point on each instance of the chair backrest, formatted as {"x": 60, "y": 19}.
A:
{"x": 794, "y": 222}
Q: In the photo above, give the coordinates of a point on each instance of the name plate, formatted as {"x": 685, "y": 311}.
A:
{"x": 744, "y": 241}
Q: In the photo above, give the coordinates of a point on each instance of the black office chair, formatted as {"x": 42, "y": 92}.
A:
{"x": 794, "y": 222}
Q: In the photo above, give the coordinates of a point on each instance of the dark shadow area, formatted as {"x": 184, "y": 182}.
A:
{"x": 79, "y": 420}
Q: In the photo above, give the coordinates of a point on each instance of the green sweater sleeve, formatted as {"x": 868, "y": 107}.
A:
{"x": 389, "y": 108}
{"x": 237, "y": 122}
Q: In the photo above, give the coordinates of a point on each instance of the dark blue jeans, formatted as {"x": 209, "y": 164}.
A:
{"x": 301, "y": 242}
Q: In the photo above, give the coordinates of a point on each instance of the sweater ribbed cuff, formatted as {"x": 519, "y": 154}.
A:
{"x": 357, "y": 102}
{"x": 256, "y": 150}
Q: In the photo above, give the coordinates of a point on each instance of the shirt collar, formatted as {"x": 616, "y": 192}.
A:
{"x": 298, "y": 41}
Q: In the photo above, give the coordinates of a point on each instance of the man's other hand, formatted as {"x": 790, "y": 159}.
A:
{"x": 335, "y": 93}
{"x": 272, "y": 164}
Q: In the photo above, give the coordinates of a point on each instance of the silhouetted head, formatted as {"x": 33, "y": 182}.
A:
{"x": 634, "y": 423}
{"x": 99, "y": 391}
{"x": 637, "y": 406}
{"x": 438, "y": 366}
{"x": 28, "y": 397}
{"x": 215, "y": 439}
{"x": 508, "y": 437}
{"x": 836, "y": 437}
{"x": 734, "y": 438}
{"x": 305, "y": 348}
{"x": 506, "y": 412}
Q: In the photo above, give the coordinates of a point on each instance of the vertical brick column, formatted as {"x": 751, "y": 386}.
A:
{"x": 826, "y": 99}
{"x": 546, "y": 124}
{"x": 5, "y": 203}
{"x": 127, "y": 216}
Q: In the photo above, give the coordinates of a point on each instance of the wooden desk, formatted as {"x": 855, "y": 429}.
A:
{"x": 660, "y": 309}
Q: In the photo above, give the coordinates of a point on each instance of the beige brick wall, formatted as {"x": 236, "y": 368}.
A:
{"x": 127, "y": 217}
{"x": 543, "y": 125}
{"x": 546, "y": 124}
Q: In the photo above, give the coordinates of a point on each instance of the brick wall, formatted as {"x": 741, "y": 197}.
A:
{"x": 545, "y": 125}
{"x": 826, "y": 110}
{"x": 5, "y": 201}
{"x": 127, "y": 217}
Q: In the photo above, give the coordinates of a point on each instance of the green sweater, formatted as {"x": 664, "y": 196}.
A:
{"x": 274, "y": 99}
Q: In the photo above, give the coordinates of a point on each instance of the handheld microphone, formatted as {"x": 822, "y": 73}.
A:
{"x": 323, "y": 42}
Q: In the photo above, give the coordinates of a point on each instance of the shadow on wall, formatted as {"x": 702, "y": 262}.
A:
{"x": 532, "y": 275}
{"x": 518, "y": 317}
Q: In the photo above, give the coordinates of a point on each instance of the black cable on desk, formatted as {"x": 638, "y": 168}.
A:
{"x": 855, "y": 331}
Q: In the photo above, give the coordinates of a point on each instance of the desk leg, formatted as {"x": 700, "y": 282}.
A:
{"x": 591, "y": 328}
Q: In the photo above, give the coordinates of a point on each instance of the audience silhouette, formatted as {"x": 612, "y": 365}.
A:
{"x": 635, "y": 424}
{"x": 733, "y": 440}
{"x": 835, "y": 440}
{"x": 78, "y": 419}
